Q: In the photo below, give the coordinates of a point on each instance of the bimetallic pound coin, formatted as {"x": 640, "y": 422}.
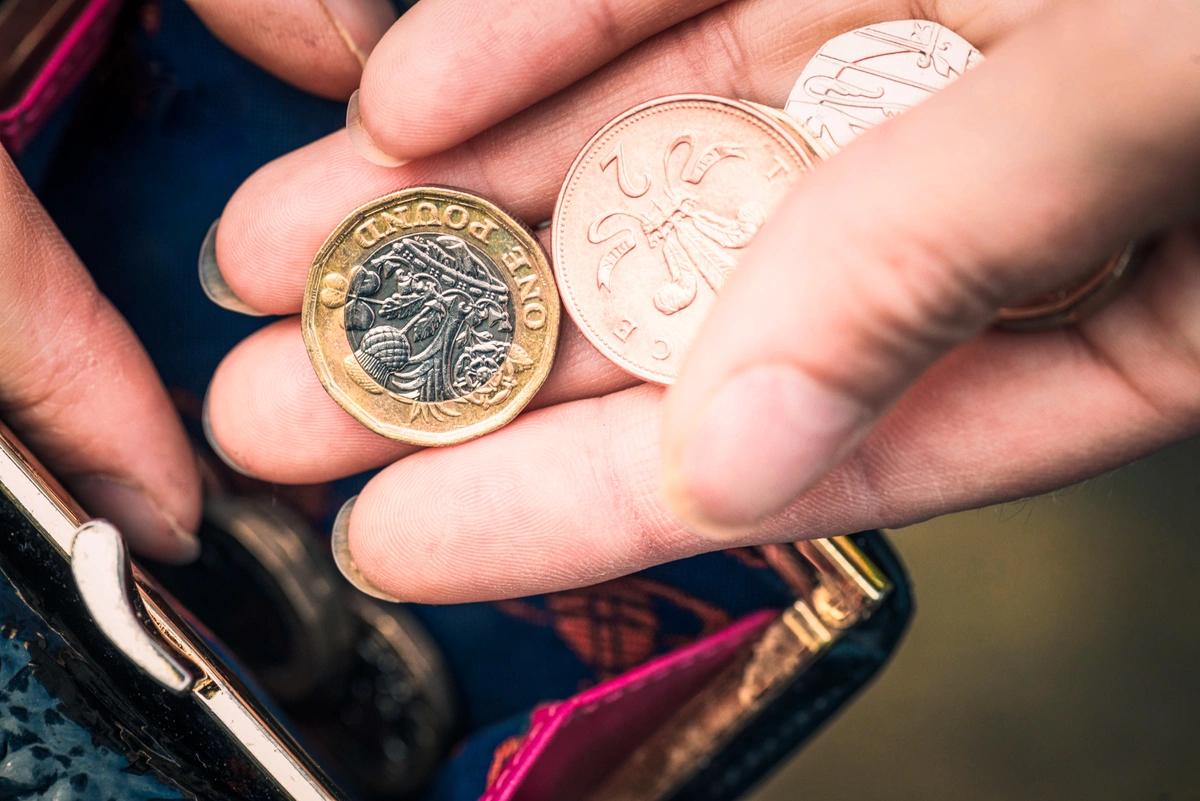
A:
{"x": 431, "y": 316}
{"x": 863, "y": 77}
{"x": 654, "y": 214}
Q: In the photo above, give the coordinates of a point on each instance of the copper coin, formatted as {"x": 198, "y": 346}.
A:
{"x": 654, "y": 214}
{"x": 1075, "y": 301}
{"x": 863, "y": 77}
{"x": 792, "y": 124}
{"x": 431, "y": 315}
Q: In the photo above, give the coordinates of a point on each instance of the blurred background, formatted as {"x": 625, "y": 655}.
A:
{"x": 1054, "y": 654}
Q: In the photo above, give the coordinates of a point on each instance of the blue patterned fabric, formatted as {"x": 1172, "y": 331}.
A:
{"x": 46, "y": 754}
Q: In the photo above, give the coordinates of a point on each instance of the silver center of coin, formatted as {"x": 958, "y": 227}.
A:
{"x": 861, "y": 78}
{"x": 429, "y": 317}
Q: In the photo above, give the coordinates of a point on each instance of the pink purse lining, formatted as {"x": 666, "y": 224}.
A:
{"x": 621, "y": 712}
{"x": 70, "y": 60}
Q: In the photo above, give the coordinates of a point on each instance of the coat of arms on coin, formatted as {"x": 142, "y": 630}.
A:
{"x": 654, "y": 214}
{"x": 431, "y": 316}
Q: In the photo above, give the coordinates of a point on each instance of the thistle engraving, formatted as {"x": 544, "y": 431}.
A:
{"x": 430, "y": 321}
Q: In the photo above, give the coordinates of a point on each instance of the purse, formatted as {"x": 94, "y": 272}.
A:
{"x": 256, "y": 672}
{"x": 46, "y": 47}
{"x": 113, "y": 689}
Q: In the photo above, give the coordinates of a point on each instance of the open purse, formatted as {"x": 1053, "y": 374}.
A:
{"x": 688, "y": 681}
{"x": 256, "y": 673}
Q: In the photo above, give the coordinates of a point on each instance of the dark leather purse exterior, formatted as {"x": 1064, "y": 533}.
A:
{"x": 123, "y": 713}
{"x": 109, "y": 689}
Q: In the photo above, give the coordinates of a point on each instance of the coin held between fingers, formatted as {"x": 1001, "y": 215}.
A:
{"x": 431, "y": 316}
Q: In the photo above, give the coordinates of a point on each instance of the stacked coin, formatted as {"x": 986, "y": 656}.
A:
{"x": 659, "y": 204}
{"x": 866, "y": 76}
{"x": 861, "y": 78}
{"x": 431, "y": 316}
{"x": 653, "y": 216}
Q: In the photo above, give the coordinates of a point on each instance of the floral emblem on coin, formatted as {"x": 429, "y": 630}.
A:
{"x": 692, "y": 240}
{"x": 431, "y": 315}
{"x": 427, "y": 319}
{"x": 655, "y": 213}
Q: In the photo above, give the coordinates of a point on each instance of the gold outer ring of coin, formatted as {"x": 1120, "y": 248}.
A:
{"x": 500, "y": 250}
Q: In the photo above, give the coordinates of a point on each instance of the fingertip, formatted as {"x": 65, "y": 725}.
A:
{"x": 213, "y": 282}
{"x": 343, "y": 556}
{"x": 319, "y": 46}
{"x": 242, "y": 228}
{"x": 430, "y": 115}
{"x": 162, "y": 530}
{"x": 214, "y": 442}
{"x": 361, "y": 139}
{"x": 396, "y": 551}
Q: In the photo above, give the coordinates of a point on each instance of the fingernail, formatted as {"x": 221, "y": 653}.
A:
{"x": 148, "y": 528}
{"x": 211, "y": 280}
{"x": 340, "y": 542}
{"x": 214, "y": 446}
{"x": 362, "y": 141}
{"x": 763, "y": 438}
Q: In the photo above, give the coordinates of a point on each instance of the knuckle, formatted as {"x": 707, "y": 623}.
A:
{"x": 715, "y": 49}
{"x": 917, "y": 290}
{"x": 603, "y": 20}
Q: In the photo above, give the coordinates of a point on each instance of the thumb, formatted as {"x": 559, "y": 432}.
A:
{"x": 80, "y": 392}
{"x": 1022, "y": 176}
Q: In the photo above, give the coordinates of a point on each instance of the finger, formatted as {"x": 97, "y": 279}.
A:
{"x": 1002, "y": 417}
{"x": 79, "y": 391}
{"x": 268, "y": 416}
{"x": 909, "y": 249}
{"x": 513, "y": 49}
{"x": 318, "y": 45}
{"x": 447, "y": 99}
{"x": 264, "y": 246}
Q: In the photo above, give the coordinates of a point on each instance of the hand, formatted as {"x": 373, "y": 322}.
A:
{"x": 869, "y": 389}
{"x": 80, "y": 392}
